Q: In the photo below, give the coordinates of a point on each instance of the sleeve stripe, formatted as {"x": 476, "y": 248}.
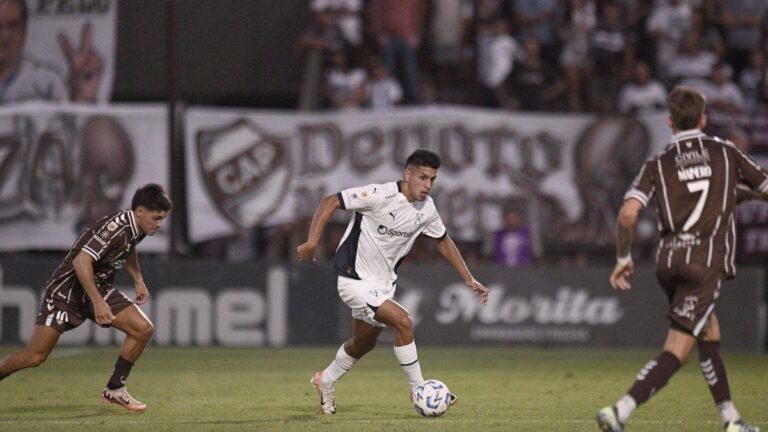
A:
{"x": 341, "y": 201}
{"x": 638, "y": 195}
{"x": 91, "y": 252}
{"x": 763, "y": 186}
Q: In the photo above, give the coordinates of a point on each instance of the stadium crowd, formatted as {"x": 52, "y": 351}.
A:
{"x": 548, "y": 55}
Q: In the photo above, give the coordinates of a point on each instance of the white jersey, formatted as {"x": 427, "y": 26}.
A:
{"x": 382, "y": 230}
{"x": 33, "y": 81}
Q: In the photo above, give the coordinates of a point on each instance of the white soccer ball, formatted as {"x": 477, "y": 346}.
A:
{"x": 431, "y": 398}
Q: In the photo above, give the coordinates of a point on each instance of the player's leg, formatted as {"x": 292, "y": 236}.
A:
{"x": 656, "y": 372}
{"x": 398, "y": 319}
{"x": 41, "y": 344}
{"x": 713, "y": 368}
{"x": 138, "y": 331}
{"x": 651, "y": 378}
{"x": 363, "y": 340}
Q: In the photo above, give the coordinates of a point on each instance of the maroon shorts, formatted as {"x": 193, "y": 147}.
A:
{"x": 691, "y": 290}
{"x": 63, "y": 315}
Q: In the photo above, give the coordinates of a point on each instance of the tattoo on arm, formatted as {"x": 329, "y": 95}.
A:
{"x": 623, "y": 240}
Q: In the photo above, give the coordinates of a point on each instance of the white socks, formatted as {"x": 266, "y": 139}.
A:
{"x": 624, "y": 407}
{"x": 728, "y": 412}
{"x": 338, "y": 367}
{"x": 409, "y": 361}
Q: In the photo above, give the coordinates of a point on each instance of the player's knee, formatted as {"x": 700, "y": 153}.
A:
{"x": 403, "y": 324}
{"x": 34, "y": 358}
{"x": 145, "y": 331}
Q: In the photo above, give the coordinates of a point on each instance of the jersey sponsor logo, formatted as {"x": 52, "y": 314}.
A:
{"x": 101, "y": 238}
{"x": 694, "y": 173}
{"x": 693, "y": 157}
{"x": 383, "y": 230}
{"x": 245, "y": 170}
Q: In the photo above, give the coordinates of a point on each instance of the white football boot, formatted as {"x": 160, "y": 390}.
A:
{"x": 327, "y": 396}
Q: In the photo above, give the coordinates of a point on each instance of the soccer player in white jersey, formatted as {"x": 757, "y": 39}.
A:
{"x": 388, "y": 217}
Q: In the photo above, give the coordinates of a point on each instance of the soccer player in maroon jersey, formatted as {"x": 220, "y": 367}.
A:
{"x": 81, "y": 287}
{"x": 695, "y": 180}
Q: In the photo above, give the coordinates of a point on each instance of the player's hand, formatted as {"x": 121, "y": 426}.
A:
{"x": 85, "y": 66}
{"x": 620, "y": 275}
{"x": 306, "y": 252}
{"x": 102, "y": 313}
{"x": 479, "y": 289}
{"x": 142, "y": 293}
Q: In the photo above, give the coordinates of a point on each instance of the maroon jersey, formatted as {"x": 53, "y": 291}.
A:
{"x": 695, "y": 180}
{"x": 110, "y": 241}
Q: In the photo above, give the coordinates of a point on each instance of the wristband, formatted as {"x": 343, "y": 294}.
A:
{"x": 622, "y": 261}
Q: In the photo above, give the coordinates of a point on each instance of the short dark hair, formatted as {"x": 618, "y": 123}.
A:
{"x": 423, "y": 157}
{"x": 686, "y": 106}
{"x": 152, "y": 197}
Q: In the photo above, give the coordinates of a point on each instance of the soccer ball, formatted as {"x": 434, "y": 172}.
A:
{"x": 431, "y": 398}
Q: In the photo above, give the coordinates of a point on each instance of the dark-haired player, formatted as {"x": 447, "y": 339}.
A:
{"x": 81, "y": 287}
{"x": 386, "y": 221}
{"x": 695, "y": 181}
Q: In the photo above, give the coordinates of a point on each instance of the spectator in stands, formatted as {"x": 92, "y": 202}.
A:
{"x": 708, "y": 35}
{"x": 512, "y": 244}
{"x": 535, "y": 84}
{"x": 643, "y": 94}
{"x": 753, "y": 80}
{"x": 345, "y": 86}
{"x": 496, "y": 54}
{"x": 323, "y": 34}
{"x": 539, "y": 18}
{"x": 382, "y": 90}
{"x": 643, "y": 44}
{"x": 611, "y": 53}
{"x": 741, "y": 19}
{"x": 580, "y": 20}
{"x": 449, "y": 23}
{"x": 669, "y": 22}
{"x": 722, "y": 93}
{"x": 345, "y": 14}
{"x": 691, "y": 62}
{"x": 397, "y": 26}
{"x": 23, "y": 78}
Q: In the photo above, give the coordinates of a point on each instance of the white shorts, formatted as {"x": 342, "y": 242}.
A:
{"x": 364, "y": 297}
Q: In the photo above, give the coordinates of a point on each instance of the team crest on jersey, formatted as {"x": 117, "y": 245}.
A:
{"x": 686, "y": 310}
{"x": 245, "y": 170}
{"x": 419, "y": 218}
{"x": 111, "y": 226}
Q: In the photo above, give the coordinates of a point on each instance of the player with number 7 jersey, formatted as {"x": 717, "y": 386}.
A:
{"x": 696, "y": 180}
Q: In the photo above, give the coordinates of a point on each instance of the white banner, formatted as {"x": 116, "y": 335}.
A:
{"x": 75, "y": 38}
{"x": 61, "y": 168}
{"x": 250, "y": 168}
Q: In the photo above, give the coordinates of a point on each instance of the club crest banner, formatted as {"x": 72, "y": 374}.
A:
{"x": 62, "y": 168}
{"x": 250, "y": 168}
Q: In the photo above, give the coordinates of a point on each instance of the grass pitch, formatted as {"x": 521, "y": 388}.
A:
{"x": 268, "y": 390}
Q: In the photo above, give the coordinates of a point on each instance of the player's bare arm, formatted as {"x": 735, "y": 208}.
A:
{"x": 450, "y": 252}
{"x": 625, "y": 227}
{"x": 320, "y": 219}
{"x": 132, "y": 266}
{"x": 83, "y": 264}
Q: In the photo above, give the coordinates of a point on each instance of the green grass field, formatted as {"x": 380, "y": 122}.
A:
{"x": 267, "y": 389}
